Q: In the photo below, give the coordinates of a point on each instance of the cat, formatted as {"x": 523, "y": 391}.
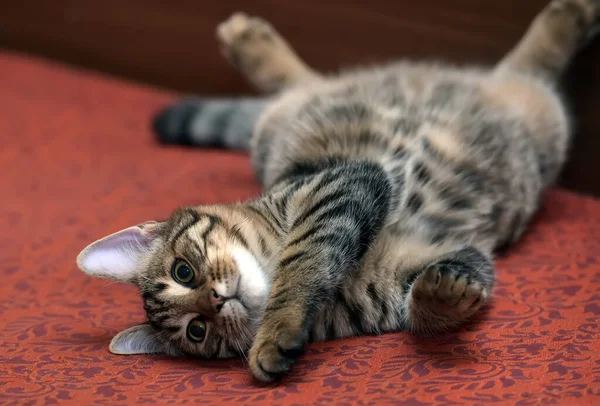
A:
{"x": 387, "y": 192}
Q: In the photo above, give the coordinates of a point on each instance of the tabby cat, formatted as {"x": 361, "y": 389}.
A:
{"x": 387, "y": 190}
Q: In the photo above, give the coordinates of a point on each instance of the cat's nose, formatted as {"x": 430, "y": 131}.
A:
{"x": 216, "y": 301}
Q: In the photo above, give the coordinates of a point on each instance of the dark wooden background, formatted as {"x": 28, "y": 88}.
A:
{"x": 170, "y": 44}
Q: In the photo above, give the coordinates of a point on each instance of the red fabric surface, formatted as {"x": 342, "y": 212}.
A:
{"x": 78, "y": 162}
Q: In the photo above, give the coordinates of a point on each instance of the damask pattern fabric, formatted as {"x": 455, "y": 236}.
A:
{"x": 79, "y": 162}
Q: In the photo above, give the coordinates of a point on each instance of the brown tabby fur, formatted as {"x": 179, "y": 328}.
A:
{"x": 386, "y": 192}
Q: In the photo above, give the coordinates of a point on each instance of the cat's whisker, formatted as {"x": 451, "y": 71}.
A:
{"x": 110, "y": 284}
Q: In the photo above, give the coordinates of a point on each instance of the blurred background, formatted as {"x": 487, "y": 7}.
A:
{"x": 171, "y": 44}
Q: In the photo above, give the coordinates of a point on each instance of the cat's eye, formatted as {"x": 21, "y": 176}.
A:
{"x": 196, "y": 330}
{"x": 182, "y": 272}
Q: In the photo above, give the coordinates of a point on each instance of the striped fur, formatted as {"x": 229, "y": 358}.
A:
{"x": 387, "y": 191}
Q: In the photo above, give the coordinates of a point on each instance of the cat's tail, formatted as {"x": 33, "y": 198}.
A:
{"x": 209, "y": 122}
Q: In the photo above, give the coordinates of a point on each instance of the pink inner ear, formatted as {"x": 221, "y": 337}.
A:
{"x": 140, "y": 339}
{"x": 118, "y": 255}
{"x": 131, "y": 235}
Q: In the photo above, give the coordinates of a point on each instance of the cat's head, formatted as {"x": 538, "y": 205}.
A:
{"x": 202, "y": 285}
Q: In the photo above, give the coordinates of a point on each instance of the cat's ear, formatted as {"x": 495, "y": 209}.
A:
{"x": 119, "y": 255}
{"x": 140, "y": 339}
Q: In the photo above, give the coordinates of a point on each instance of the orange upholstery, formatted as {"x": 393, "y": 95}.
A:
{"x": 78, "y": 161}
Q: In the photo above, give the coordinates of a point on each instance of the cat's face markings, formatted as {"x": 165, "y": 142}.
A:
{"x": 202, "y": 286}
{"x": 209, "y": 280}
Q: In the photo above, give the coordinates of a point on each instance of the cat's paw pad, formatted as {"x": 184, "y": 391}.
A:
{"x": 274, "y": 352}
{"x": 244, "y": 39}
{"x": 446, "y": 291}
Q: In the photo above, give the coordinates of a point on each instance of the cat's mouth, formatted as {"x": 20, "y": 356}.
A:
{"x": 252, "y": 287}
{"x": 238, "y": 295}
{"x": 241, "y": 302}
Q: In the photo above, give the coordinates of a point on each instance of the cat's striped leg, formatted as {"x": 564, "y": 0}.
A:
{"x": 261, "y": 53}
{"x": 329, "y": 219}
{"x": 553, "y": 38}
{"x": 448, "y": 291}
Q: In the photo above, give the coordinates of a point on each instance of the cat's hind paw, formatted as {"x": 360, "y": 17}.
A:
{"x": 449, "y": 292}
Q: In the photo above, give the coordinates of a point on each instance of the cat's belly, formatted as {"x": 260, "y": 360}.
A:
{"x": 460, "y": 165}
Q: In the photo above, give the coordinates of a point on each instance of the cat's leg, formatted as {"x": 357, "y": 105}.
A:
{"x": 265, "y": 58}
{"x": 449, "y": 291}
{"x": 553, "y": 38}
{"x": 328, "y": 221}
{"x": 261, "y": 53}
{"x": 209, "y": 122}
{"x": 544, "y": 52}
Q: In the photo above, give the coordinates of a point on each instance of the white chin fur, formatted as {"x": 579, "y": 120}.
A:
{"x": 254, "y": 286}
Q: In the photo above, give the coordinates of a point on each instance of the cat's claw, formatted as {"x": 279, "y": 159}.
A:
{"x": 443, "y": 296}
{"x": 447, "y": 291}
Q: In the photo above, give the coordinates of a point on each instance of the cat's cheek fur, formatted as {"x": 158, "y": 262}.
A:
{"x": 175, "y": 289}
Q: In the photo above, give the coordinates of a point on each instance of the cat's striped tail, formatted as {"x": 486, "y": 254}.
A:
{"x": 209, "y": 122}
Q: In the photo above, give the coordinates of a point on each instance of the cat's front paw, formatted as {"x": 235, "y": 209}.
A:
{"x": 276, "y": 348}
